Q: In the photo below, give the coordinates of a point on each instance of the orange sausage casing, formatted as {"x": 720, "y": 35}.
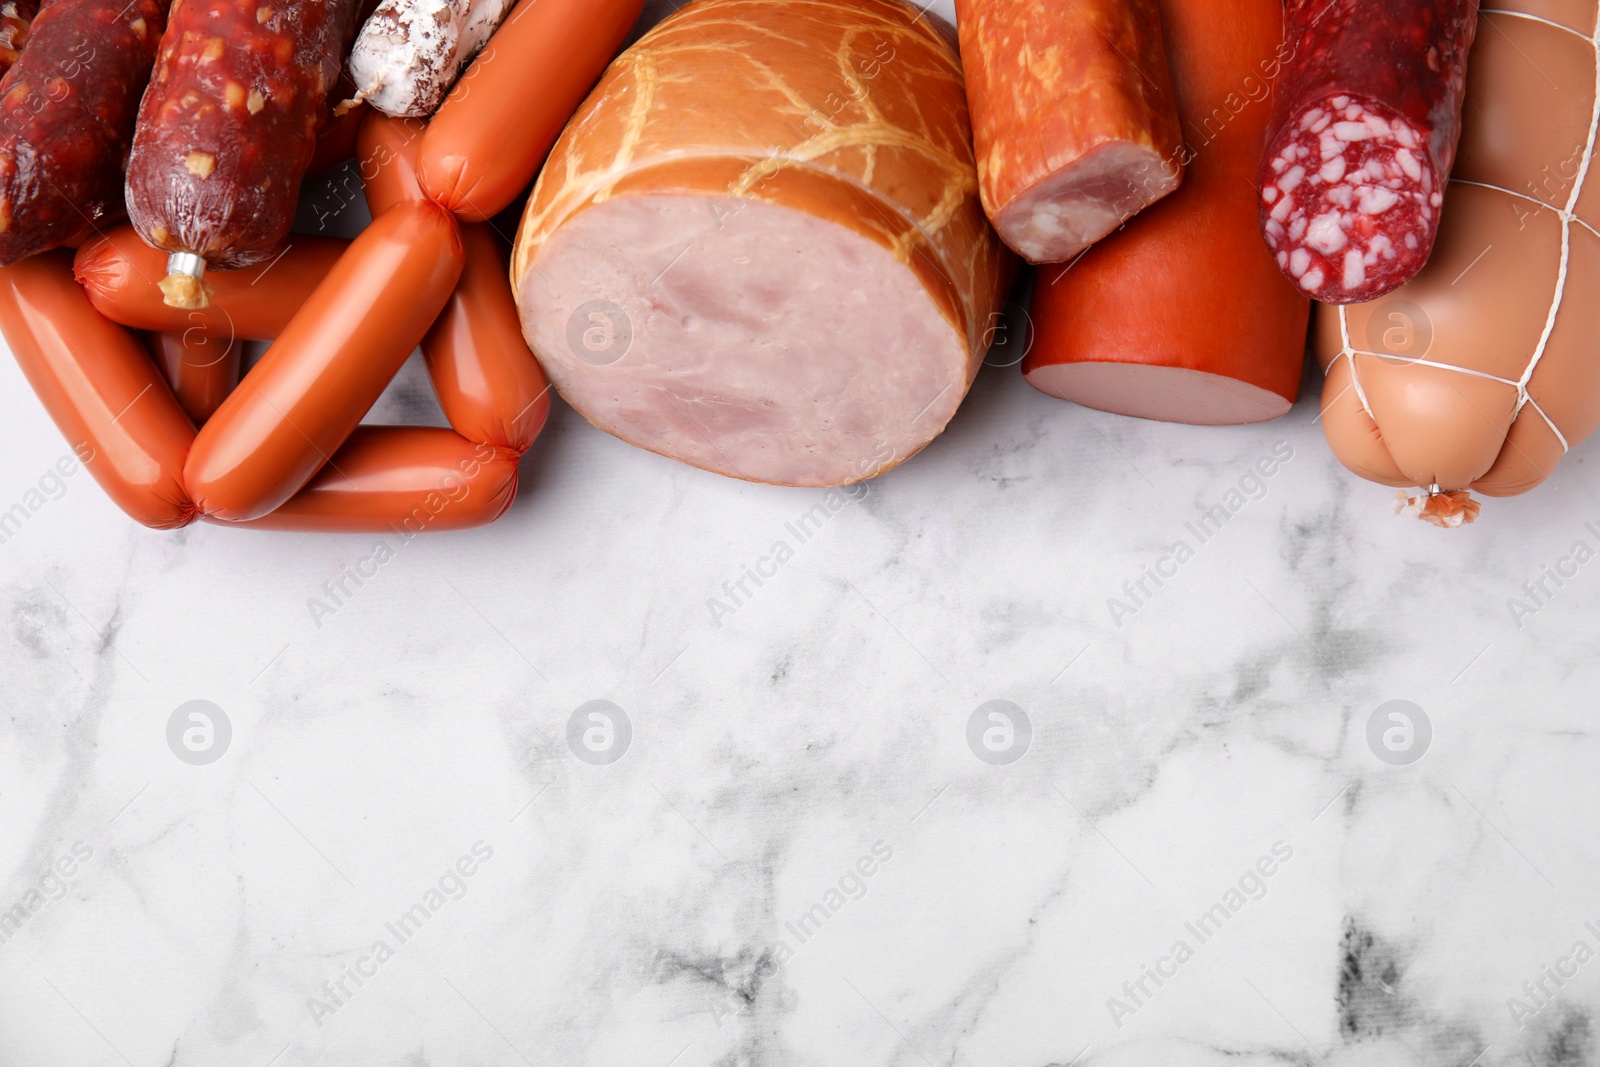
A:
{"x": 119, "y": 272}
{"x": 401, "y": 479}
{"x": 1183, "y": 315}
{"x": 488, "y": 383}
{"x": 202, "y": 370}
{"x": 1072, "y": 118}
{"x": 486, "y": 142}
{"x": 311, "y": 388}
{"x": 101, "y": 389}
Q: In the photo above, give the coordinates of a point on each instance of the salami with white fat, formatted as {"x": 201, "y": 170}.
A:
{"x": 1363, "y": 138}
{"x": 409, "y": 52}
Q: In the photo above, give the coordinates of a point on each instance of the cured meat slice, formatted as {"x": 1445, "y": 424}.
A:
{"x": 1072, "y": 115}
{"x": 758, "y": 247}
{"x": 1363, "y": 138}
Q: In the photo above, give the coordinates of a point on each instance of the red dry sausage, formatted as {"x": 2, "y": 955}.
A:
{"x": 488, "y": 383}
{"x": 311, "y": 388}
{"x": 486, "y": 142}
{"x": 1182, "y": 315}
{"x": 201, "y": 370}
{"x": 101, "y": 388}
{"x": 67, "y": 110}
{"x": 229, "y": 127}
{"x": 1363, "y": 137}
{"x": 1072, "y": 118}
{"x": 401, "y": 479}
{"x": 119, "y": 272}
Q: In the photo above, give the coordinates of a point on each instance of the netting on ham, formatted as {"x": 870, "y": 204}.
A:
{"x": 1352, "y": 204}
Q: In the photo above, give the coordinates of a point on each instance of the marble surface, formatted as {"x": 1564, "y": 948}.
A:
{"x": 801, "y": 831}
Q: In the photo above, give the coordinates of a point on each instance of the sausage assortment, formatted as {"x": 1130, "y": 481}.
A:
{"x": 771, "y": 241}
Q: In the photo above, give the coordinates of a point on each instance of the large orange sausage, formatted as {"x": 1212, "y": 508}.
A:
{"x": 101, "y": 388}
{"x": 401, "y": 479}
{"x": 201, "y": 370}
{"x": 311, "y": 388}
{"x": 119, "y": 272}
{"x": 488, "y": 383}
{"x": 487, "y": 141}
{"x": 1182, "y": 315}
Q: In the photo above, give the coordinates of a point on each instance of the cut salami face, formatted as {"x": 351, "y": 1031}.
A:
{"x": 229, "y": 127}
{"x": 409, "y": 52}
{"x": 758, "y": 248}
{"x": 1364, "y": 135}
{"x": 67, "y": 111}
{"x": 1072, "y": 115}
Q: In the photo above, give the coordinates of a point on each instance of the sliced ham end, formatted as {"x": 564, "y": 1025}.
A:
{"x": 1073, "y": 208}
{"x": 743, "y": 337}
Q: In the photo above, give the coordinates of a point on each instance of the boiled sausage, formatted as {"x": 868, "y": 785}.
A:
{"x": 1183, "y": 315}
{"x": 1482, "y": 372}
{"x": 311, "y": 388}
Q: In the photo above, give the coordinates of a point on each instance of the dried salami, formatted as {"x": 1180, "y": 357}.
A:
{"x": 67, "y": 110}
{"x": 409, "y": 52}
{"x": 229, "y": 127}
{"x": 1363, "y": 138}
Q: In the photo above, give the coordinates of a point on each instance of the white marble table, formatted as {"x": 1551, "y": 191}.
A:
{"x": 791, "y": 842}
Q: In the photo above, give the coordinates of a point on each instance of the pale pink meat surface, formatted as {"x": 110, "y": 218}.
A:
{"x": 743, "y": 337}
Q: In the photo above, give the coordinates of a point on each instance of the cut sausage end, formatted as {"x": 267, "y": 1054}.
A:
{"x": 1350, "y": 201}
{"x": 1164, "y": 394}
{"x": 1073, "y": 208}
{"x": 688, "y": 325}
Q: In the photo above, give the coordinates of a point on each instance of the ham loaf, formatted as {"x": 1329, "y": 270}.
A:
{"x": 758, "y": 247}
{"x": 1482, "y": 372}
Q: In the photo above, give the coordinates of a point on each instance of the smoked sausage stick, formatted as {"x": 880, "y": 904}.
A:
{"x": 312, "y": 387}
{"x": 534, "y": 73}
{"x": 101, "y": 389}
{"x": 488, "y": 383}
{"x": 404, "y": 480}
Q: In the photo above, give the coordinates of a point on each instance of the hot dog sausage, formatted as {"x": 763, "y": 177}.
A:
{"x": 485, "y": 144}
{"x": 311, "y": 388}
{"x": 1072, "y": 117}
{"x": 488, "y": 383}
{"x": 67, "y": 111}
{"x": 119, "y": 272}
{"x": 409, "y": 52}
{"x": 201, "y": 370}
{"x": 101, "y": 388}
{"x": 404, "y": 480}
{"x": 1363, "y": 137}
{"x": 227, "y": 131}
{"x": 1182, "y": 315}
